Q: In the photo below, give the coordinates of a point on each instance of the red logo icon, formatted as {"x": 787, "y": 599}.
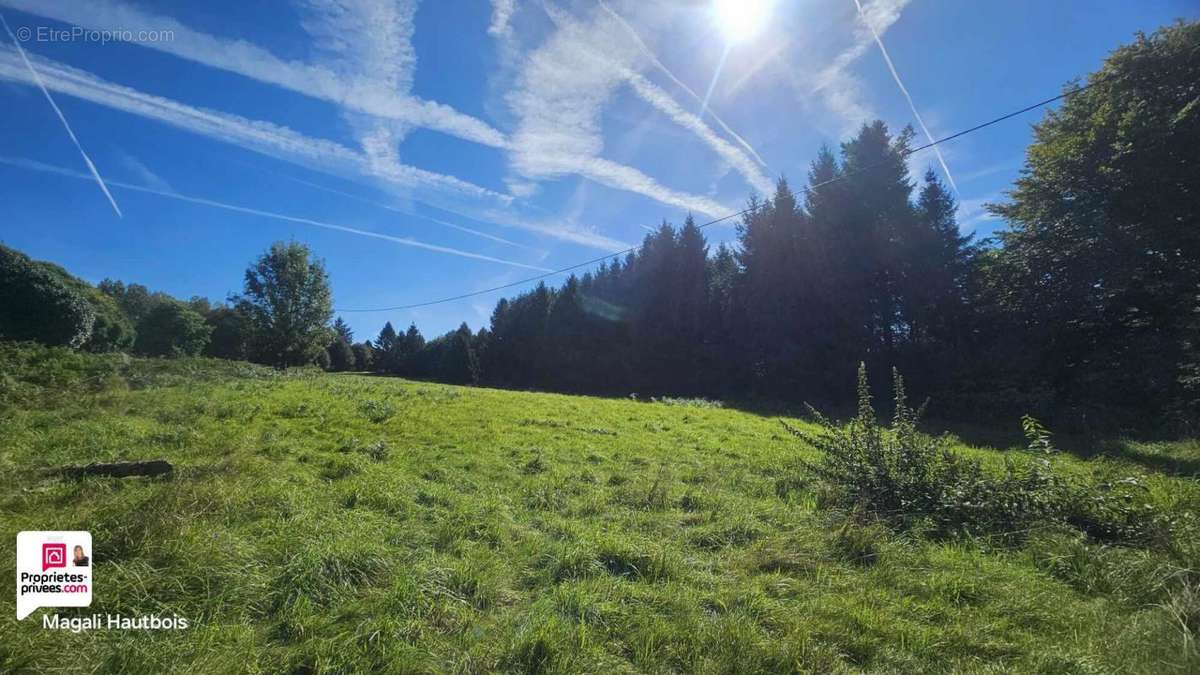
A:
{"x": 54, "y": 555}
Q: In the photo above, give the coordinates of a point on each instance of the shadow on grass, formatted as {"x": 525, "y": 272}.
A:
{"x": 1152, "y": 451}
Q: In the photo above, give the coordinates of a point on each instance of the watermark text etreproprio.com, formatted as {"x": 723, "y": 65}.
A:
{"x": 98, "y": 36}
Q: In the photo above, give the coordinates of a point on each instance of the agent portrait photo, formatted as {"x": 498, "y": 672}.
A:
{"x": 81, "y": 560}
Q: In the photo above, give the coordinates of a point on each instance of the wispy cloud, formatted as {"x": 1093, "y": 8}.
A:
{"x": 736, "y": 159}
{"x": 609, "y": 28}
{"x": 143, "y": 172}
{"x": 904, "y": 90}
{"x": 841, "y": 91}
{"x": 318, "y": 81}
{"x": 259, "y": 136}
{"x": 444, "y": 192}
{"x": 502, "y": 11}
{"x": 653, "y": 58}
{"x": 395, "y": 209}
{"x": 33, "y": 74}
{"x": 403, "y": 241}
{"x": 990, "y": 170}
{"x": 561, "y": 90}
{"x": 368, "y": 41}
{"x": 328, "y": 80}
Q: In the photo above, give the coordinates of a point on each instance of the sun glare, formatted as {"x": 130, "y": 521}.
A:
{"x": 741, "y": 19}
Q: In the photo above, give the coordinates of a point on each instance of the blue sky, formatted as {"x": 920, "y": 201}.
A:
{"x": 427, "y": 149}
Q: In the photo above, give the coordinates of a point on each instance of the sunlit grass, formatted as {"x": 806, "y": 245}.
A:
{"x": 340, "y": 523}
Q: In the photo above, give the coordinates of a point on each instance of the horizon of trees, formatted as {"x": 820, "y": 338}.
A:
{"x": 1084, "y": 310}
{"x": 280, "y": 319}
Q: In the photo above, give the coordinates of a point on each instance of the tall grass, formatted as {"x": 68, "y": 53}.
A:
{"x": 300, "y": 535}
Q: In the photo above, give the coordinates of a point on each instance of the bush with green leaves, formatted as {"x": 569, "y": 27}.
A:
{"x": 907, "y": 479}
{"x": 172, "y": 329}
{"x": 231, "y": 333}
{"x": 112, "y": 331}
{"x": 38, "y": 305}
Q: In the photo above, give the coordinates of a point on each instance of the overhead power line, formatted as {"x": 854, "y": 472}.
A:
{"x": 736, "y": 214}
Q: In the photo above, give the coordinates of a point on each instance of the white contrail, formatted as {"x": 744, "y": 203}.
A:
{"x": 405, "y": 241}
{"x": 381, "y": 205}
{"x": 248, "y": 60}
{"x": 667, "y": 71}
{"x": 37, "y": 78}
{"x": 272, "y": 140}
{"x": 904, "y": 90}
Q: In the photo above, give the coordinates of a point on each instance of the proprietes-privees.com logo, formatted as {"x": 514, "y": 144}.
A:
{"x": 54, "y": 569}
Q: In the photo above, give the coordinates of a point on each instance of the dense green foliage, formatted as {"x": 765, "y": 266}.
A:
{"x": 288, "y": 301}
{"x": 112, "y": 330}
{"x": 343, "y": 523}
{"x": 341, "y": 355}
{"x": 364, "y": 356}
{"x": 281, "y": 320}
{"x": 231, "y": 330}
{"x": 1101, "y": 261}
{"x": 172, "y": 329}
{"x": 810, "y": 290}
{"x": 38, "y": 304}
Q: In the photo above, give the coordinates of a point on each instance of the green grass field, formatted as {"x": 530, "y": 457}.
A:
{"x": 350, "y": 523}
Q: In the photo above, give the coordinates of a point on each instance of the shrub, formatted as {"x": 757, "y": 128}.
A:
{"x": 1037, "y": 435}
{"x": 905, "y": 478}
{"x": 171, "y": 329}
{"x": 36, "y": 304}
{"x": 112, "y": 330}
{"x": 377, "y": 411}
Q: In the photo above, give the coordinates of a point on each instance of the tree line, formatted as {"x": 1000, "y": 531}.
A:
{"x": 1084, "y": 308}
{"x": 281, "y": 318}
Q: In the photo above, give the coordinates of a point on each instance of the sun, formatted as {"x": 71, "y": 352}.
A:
{"x": 741, "y": 20}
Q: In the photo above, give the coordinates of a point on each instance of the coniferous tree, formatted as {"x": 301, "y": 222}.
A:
{"x": 343, "y": 331}
{"x": 768, "y": 252}
{"x": 690, "y": 292}
{"x": 1091, "y": 298}
{"x": 386, "y": 349}
{"x": 409, "y": 346}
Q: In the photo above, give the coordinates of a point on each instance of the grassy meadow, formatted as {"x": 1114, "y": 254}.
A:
{"x": 351, "y": 523}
